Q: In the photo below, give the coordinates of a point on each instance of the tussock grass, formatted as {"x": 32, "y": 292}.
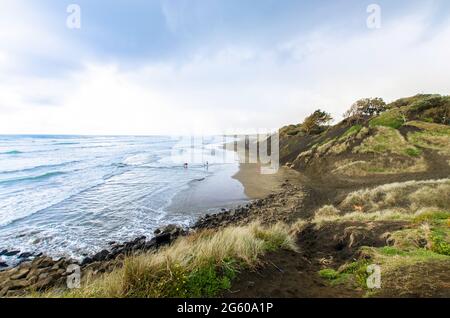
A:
{"x": 199, "y": 265}
{"x": 327, "y": 211}
{"x": 361, "y": 168}
{"x": 412, "y": 195}
{"x": 412, "y": 200}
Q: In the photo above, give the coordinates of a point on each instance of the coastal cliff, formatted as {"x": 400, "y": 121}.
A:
{"x": 372, "y": 191}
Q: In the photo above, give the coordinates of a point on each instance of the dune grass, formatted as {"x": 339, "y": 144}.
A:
{"x": 200, "y": 265}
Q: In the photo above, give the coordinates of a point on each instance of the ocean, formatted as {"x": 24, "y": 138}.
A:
{"x": 72, "y": 195}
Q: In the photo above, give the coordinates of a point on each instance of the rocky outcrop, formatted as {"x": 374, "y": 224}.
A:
{"x": 36, "y": 275}
{"x": 43, "y": 272}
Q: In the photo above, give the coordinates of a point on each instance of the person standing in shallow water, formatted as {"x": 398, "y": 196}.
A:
{"x": 185, "y": 165}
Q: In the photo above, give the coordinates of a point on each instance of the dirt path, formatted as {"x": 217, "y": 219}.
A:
{"x": 295, "y": 274}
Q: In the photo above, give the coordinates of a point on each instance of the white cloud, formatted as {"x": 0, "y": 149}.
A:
{"x": 231, "y": 87}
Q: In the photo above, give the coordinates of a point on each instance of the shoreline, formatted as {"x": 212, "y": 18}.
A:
{"x": 257, "y": 188}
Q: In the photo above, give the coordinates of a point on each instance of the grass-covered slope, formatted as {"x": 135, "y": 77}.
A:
{"x": 411, "y": 137}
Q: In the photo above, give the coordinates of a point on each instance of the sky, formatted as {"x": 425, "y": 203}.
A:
{"x": 137, "y": 67}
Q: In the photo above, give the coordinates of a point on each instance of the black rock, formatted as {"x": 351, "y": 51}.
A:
{"x": 3, "y": 265}
{"x": 25, "y": 255}
{"x": 139, "y": 240}
{"x": 11, "y": 253}
{"x": 101, "y": 256}
{"x": 86, "y": 260}
{"x": 164, "y": 238}
{"x": 3, "y": 252}
{"x": 112, "y": 243}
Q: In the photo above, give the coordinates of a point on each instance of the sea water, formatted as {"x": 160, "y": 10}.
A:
{"x": 71, "y": 195}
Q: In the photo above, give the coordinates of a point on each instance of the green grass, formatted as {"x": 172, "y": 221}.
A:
{"x": 391, "y": 118}
{"x": 413, "y": 152}
{"x": 328, "y": 273}
{"x": 440, "y": 241}
{"x": 432, "y": 136}
{"x": 432, "y": 217}
{"x": 351, "y": 131}
{"x": 355, "y": 272}
{"x": 385, "y": 140}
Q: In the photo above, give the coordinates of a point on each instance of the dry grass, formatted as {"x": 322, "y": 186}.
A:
{"x": 327, "y": 211}
{"x": 412, "y": 195}
{"x": 394, "y": 201}
{"x": 363, "y": 217}
{"x": 361, "y": 168}
{"x": 199, "y": 265}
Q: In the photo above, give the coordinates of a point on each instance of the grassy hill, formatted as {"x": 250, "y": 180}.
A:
{"x": 411, "y": 137}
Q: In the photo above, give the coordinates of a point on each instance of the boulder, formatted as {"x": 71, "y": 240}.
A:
{"x": 167, "y": 234}
{"x": 101, "y": 256}
{"x": 16, "y": 284}
{"x": 25, "y": 255}
{"x": 11, "y": 253}
{"x": 46, "y": 281}
{"x": 42, "y": 262}
{"x": 162, "y": 239}
{"x": 86, "y": 260}
{"x": 21, "y": 274}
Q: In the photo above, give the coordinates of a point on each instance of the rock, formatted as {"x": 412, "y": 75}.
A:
{"x": 101, "y": 256}
{"x": 164, "y": 238}
{"x": 3, "y": 265}
{"x": 17, "y": 284}
{"x": 112, "y": 243}
{"x": 25, "y": 255}
{"x": 42, "y": 262}
{"x": 3, "y": 292}
{"x": 168, "y": 233}
{"x": 21, "y": 274}
{"x": 45, "y": 282}
{"x": 3, "y": 252}
{"x": 11, "y": 253}
{"x": 86, "y": 260}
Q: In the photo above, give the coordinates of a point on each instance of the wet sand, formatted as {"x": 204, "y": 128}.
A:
{"x": 235, "y": 185}
{"x": 257, "y": 185}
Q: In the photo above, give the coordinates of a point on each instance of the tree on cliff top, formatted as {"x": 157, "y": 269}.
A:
{"x": 366, "y": 108}
{"x": 314, "y": 121}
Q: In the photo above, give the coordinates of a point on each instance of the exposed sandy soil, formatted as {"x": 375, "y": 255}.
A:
{"x": 291, "y": 274}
